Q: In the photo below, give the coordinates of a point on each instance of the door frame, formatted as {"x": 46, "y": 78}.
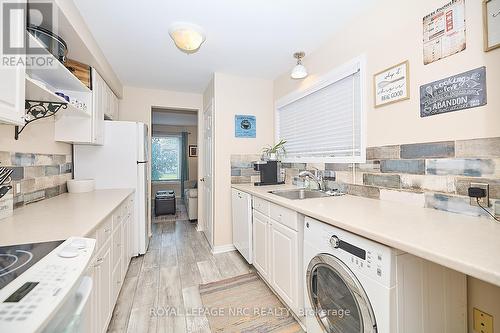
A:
{"x": 204, "y": 212}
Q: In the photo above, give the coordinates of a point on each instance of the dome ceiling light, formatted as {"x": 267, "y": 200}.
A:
{"x": 187, "y": 37}
{"x": 299, "y": 71}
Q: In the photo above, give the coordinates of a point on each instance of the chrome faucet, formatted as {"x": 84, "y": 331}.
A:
{"x": 317, "y": 178}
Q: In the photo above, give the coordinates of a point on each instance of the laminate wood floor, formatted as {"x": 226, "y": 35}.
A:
{"x": 160, "y": 291}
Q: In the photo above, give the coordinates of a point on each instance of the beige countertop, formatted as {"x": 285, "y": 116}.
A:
{"x": 69, "y": 214}
{"x": 463, "y": 243}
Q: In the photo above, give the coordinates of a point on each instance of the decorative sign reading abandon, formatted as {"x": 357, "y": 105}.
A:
{"x": 444, "y": 31}
{"x": 458, "y": 92}
{"x": 244, "y": 126}
{"x": 392, "y": 84}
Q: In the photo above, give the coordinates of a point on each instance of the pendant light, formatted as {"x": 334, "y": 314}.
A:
{"x": 187, "y": 37}
{"x": 299, "y": 71}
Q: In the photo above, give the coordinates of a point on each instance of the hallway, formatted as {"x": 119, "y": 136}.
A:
{"x": 163, "y": 284}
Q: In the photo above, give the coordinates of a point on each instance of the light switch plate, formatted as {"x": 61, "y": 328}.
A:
{"x": 485, "y": 202}
{"x": 483, "y": 322}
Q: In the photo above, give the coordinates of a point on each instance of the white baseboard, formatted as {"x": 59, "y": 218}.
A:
{"x": 223, "y": 248}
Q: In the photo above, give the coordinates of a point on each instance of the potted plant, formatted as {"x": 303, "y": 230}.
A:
{"x": 275, "y": 152}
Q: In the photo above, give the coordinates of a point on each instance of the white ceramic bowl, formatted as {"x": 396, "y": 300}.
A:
{"x": 80, "y": 185}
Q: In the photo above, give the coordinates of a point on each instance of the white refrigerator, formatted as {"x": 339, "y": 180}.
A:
{"x": 122, "y": 162}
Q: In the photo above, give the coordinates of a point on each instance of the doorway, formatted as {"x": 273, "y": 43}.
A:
{"x": 174, "y": 164}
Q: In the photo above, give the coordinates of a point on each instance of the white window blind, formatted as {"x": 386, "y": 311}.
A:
{"x": 325, "y": 124}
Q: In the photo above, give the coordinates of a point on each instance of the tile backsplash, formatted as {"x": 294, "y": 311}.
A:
{"x": 434, "y": 175}
{"x": 37, "y": 176}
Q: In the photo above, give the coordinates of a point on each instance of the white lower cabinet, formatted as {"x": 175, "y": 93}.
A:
{"x": 103, "y": 285}
{"x": 110, "y": 264}
{"x": 261, "y": 230}
{"x": 284, "y": 263}
{"x": 277, "y": 251}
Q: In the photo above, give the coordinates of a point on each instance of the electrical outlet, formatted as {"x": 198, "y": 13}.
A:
{"x": 485, "y": 202}
{"x": 483, "y": 322}
{"x": 18, "y": 187}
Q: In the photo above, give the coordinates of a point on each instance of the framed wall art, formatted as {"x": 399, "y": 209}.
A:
{"x": 193, "y": 150}
{"x": 244, "y": 126}
{"x": 392, "y": 84}
{"x": 444, "y": 31}
{"x": 458, "y": 92}
{"x": 491, "y": 24}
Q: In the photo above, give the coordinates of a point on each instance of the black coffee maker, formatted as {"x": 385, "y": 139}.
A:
{"x": 269, "y": 172}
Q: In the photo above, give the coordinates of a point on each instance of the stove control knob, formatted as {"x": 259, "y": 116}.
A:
{"x": 335, "y": 241}
{"x": 68, "y": 252}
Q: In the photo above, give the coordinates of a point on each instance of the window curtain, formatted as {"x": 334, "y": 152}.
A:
{"x": 184, "y": 160}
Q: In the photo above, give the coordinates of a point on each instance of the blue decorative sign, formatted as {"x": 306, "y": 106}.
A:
{"x": 244, "y": 126}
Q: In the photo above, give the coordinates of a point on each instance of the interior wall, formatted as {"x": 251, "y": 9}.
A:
{"x": 388, "y": 34}
{"x": 236, "y": 96}
{"x": 192, "y": 161}
{"x": 137, "y": 103}
{"x": 37, "y": 137}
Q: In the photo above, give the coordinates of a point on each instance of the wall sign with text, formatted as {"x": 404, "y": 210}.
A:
{"x": 392, "y": 84}
{"x": 244, "y": 126}
{"x": 444, "y": 31}
{"x": 458, "y": 92}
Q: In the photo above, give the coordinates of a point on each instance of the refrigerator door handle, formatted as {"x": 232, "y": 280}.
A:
{"x": 142, "y": 162}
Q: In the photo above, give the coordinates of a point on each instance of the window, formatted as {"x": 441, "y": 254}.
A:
{"x": 166, "y": 157}
{"x": 325, "y": 123}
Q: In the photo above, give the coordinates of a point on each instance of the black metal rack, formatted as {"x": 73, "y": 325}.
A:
{"x": 36, "y": 110}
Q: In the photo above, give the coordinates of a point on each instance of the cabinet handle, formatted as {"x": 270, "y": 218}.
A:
{"x": 98, "y": 262}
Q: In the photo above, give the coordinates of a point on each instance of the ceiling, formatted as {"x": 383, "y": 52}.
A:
{"x": 174, "y": 118}
{"x": 250, "y": 38}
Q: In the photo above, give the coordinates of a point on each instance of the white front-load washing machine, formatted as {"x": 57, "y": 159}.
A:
{"x": 356, "y": 285}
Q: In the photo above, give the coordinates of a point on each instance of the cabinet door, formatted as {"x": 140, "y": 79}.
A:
{"x": 284, "y": 259}
{"x": 12, "y": 85}
{"x": 105, "y": 289}
{"x": 98, "y": 107}
{"x": 93, "y": 272}
{"x": 261, "y": 243}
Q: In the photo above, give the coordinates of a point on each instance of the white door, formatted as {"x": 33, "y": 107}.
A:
{"x": 208, "y": 179}
{"x": 284, "y": 258}
{"x": 12, "y": 85}
{"x": 261, "y": 231}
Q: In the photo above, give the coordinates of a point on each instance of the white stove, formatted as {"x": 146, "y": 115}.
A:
{"x": 38, "y": 281}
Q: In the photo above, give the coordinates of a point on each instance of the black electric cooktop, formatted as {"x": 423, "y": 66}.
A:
{"x": 16, "y": 259}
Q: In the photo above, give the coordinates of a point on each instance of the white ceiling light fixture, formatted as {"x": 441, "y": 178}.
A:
{"x": 299, "y": 71}
{"x": 187, "y": 37}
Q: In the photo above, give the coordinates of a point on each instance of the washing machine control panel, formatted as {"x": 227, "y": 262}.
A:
{"x": 358, "y": 253}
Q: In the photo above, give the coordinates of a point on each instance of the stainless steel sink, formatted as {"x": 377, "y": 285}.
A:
{"x": 299, "y": 194}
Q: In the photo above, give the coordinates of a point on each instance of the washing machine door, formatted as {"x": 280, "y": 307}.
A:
{"x": 339, "y": 302}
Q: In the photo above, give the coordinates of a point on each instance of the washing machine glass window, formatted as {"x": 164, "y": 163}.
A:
{"x": 339, "y": 302}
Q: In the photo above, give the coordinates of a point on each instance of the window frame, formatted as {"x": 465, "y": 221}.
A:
{"x": 167, "y": 135}
{"x": 335, "y": 75}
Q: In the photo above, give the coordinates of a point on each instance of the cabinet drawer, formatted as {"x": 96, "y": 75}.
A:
{"x": 284, "y": 216}
{"x": 117, "y": 245}
{"x": 261, "y": 205}
{"x": 118, "y": 216}
{"x": 104, "y": 231}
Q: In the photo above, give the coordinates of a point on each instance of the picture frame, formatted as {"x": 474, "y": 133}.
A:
{"x": 392, "y": 84}
{"x": 193, "y": 150}
{"x": 491, "y": 24}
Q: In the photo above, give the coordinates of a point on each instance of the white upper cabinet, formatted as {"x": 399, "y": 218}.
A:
{"x": 111, "y": 105}
{"x": 12, "y": 77}
{"x": 87, "y": 129}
